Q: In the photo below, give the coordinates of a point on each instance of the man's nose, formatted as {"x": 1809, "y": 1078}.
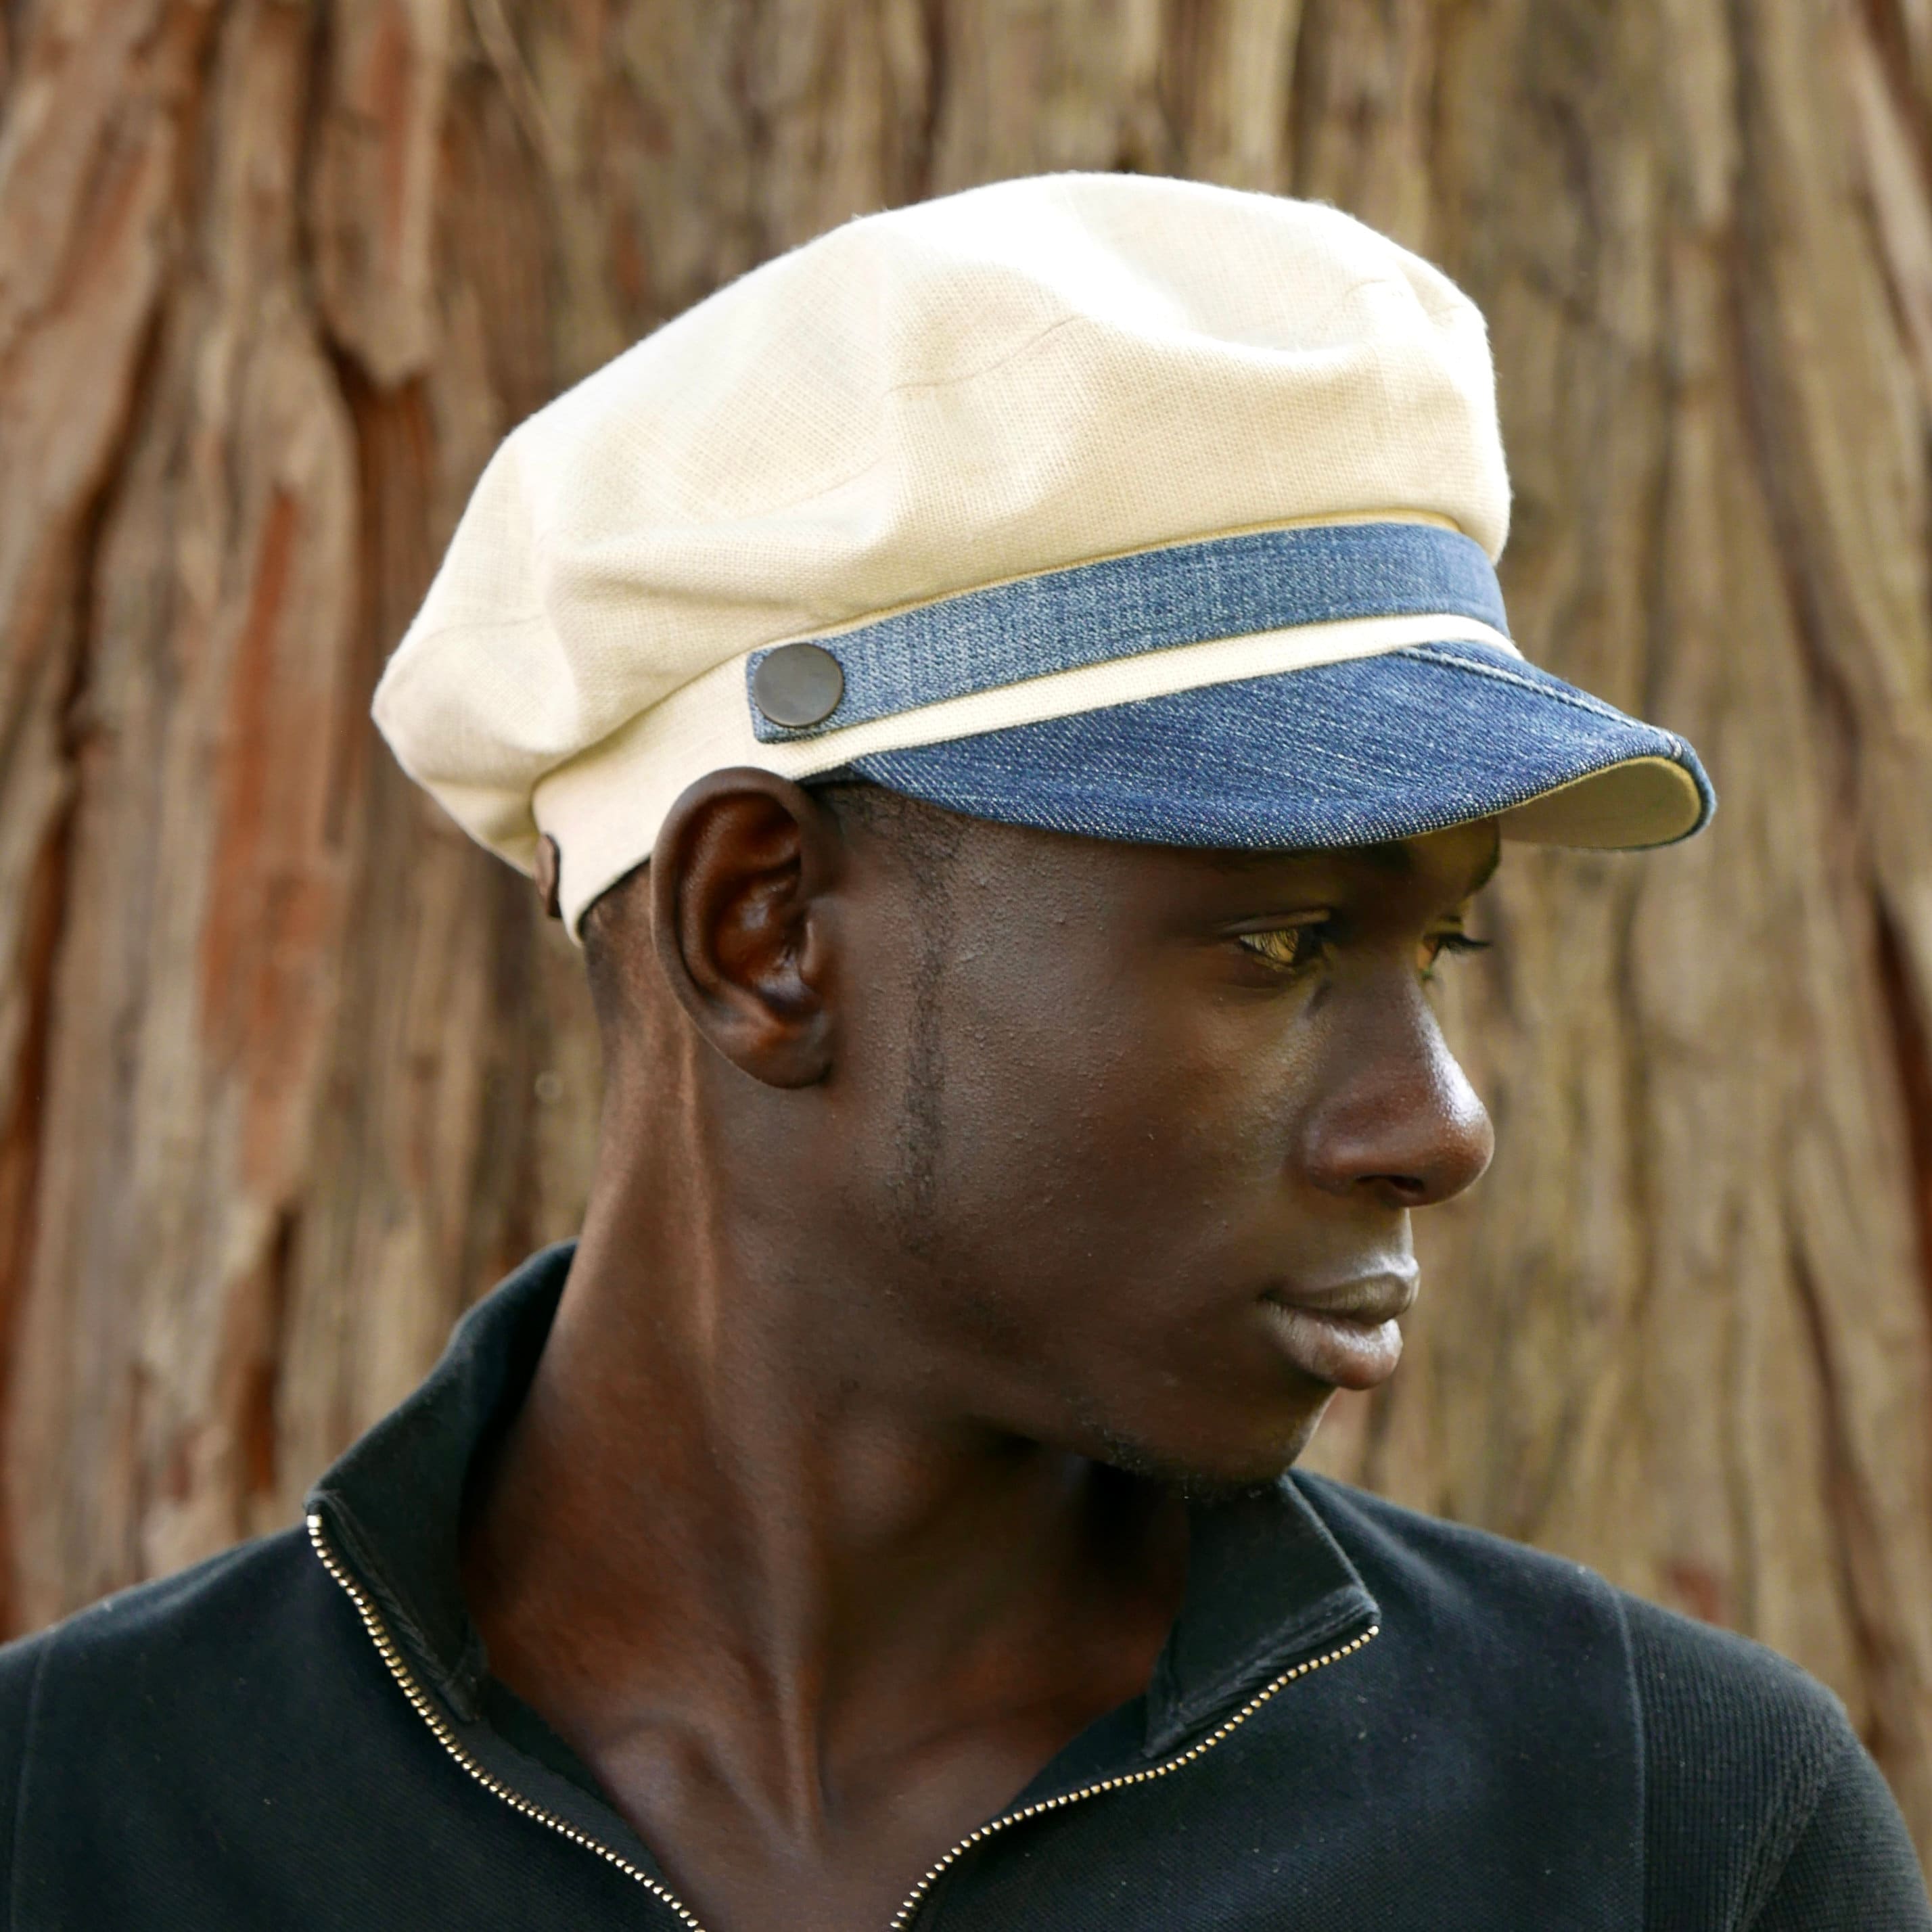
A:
{"x": 1398, "y": 1118}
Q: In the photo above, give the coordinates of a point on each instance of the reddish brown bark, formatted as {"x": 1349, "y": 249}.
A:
{"x": 289, "y": 1072}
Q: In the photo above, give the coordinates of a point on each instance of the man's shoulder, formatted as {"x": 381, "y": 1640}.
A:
{"x": 1706, "y": 1689}
{"x": 1689, "y": 1679}
{"x": 1693, "y": 1676}
{"x": 189, "y": 1655}
{"x": 1760, "y": 1805}
{"x": 233, "y": 1601}
{"x": 178, "y": 1722}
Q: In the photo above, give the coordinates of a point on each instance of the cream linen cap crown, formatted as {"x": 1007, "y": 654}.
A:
{"x": 1015, "y": 382}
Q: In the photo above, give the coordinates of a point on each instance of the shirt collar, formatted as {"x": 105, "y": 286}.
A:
{"x": 393, "y": 1504}
{"x": 1268, "y": 1587}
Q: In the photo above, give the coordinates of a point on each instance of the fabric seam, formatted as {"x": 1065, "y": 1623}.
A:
{"x": 1640, "y": 1725}
{"x": 1197, "y": 1712}
{"x": 1577, "y": 701}
{"x": 356, "y": 1541}
{"x": 832, "y": 628}
{"x": 1789, "y": 1819}
{"x": 885, "y": 395}
{"x": 14, "y": 1824}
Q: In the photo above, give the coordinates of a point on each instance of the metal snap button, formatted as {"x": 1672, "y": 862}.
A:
{"x": 798, "y": 685}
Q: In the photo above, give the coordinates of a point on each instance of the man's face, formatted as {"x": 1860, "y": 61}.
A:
{"x": 1134, "y": 1133}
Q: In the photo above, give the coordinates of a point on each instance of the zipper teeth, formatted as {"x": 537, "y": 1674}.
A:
{"x": 904, "y": 1916}
{"x": 420, "y": 1703}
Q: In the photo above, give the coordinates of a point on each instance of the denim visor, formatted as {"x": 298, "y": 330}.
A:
{"x": 1386, "y": 740}
{"x": 1371, "y": 749}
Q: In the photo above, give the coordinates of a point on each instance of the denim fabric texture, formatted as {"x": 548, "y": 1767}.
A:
{"x": 1388, "y": 747}
{"x": 1122, "y": 607}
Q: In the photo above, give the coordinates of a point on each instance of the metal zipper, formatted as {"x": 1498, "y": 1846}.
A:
{"x": 421, "y": 1702}
{"x": 906, "y": 1913}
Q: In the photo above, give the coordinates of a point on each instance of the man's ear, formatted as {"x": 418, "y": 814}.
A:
{"x": 738, "y": 879}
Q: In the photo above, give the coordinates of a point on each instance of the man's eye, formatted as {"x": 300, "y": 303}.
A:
{"x": 1435, "y": 944}
{"x": 1291, "y": 947}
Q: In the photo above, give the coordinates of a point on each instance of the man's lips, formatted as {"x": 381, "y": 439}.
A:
{"x": 1345, "y": 1333}
{"x": 1384, "y": 1293}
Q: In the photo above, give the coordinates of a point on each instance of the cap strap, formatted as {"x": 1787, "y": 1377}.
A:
{"x": 1123, "y": 607}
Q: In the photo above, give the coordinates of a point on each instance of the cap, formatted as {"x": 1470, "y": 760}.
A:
{"x": 1128, "y": 507}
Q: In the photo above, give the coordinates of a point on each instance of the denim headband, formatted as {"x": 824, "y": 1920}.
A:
{"x": 1122, "y": 607}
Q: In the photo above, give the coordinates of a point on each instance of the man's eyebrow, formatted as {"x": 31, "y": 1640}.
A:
{"x": 1393, "y": 856}
{"x": 1399, "y": 859}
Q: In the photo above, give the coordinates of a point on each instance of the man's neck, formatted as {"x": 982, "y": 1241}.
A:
{"x": 745, "y": 1577}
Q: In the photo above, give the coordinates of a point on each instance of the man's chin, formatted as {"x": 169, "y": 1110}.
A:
{"x": 1227, "y": 1474}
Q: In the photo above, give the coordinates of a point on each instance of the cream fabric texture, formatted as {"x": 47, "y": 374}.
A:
{"x": 1021, "y": 379}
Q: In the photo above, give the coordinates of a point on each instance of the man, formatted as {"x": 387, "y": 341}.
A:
{"x": 1014, "y": 701}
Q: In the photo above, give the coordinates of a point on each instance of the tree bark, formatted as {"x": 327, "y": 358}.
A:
{"x": 289, "y": 1072}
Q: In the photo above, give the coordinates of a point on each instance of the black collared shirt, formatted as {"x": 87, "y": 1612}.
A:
{"x": 1363, "y": 1719}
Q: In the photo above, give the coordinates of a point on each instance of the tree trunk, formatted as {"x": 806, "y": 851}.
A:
{"x": 289, "y": 1072}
